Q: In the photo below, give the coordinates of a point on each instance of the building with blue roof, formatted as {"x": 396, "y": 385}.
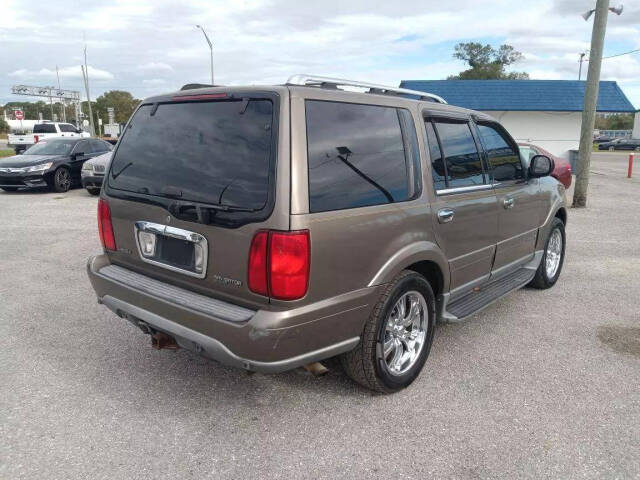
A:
{"x": 543, "y": 112}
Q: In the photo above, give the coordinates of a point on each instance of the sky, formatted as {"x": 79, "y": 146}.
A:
{"x": 151, "y": 47}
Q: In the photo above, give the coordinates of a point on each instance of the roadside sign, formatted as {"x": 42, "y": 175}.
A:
{"x": 19, "y": 114}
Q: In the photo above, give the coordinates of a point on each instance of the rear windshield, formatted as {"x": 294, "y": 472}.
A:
{"x": 215, "y": 152}
{"x": 44, "y": 128}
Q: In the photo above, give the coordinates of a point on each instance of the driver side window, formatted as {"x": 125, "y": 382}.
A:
{"x": 503, "y": 157}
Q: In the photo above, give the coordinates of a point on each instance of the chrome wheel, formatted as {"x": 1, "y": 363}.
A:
{"x": 553, "y": 253}
{"x": 405, "y": 332}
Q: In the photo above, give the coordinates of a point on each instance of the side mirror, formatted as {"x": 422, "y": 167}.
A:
{"x": 540, "y": 166}
{"x": 78, "y": 130}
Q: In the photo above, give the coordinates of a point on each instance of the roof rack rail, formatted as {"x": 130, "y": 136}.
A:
{"x": 316, "y": 81}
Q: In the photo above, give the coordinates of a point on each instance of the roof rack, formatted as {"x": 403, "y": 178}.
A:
{"x": 316, "y": 81}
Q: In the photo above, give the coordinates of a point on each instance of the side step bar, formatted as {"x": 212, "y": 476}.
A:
{"x": 476, "y": 300}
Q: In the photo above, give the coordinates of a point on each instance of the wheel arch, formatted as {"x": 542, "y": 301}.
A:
{"x": 422, "y": 257}
{"x": 561, "y": 213}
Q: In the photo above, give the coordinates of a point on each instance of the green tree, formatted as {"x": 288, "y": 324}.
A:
{"x": 620, "y": 121}
{"x": 487, "y": 63}
{"x": 122, "y": 102}
{"x": 4, "y": 126}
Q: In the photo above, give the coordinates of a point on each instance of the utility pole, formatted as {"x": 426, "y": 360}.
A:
{"x": 64, "y": 105}
{"x": 210, "y": 49}
{"x": 85, "y": 76}
{"x": 580, "y": 70}
{"x": 590, "y": 102}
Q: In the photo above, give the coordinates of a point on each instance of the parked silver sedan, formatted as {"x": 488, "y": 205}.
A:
{"x": 93, "y": 172}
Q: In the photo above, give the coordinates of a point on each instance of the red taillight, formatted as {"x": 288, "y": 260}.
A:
{"x": 207, "y": 96}
{"x": 105, "y": 227}
{"x": 35, "y": 139}
{"x": 258, "y": 264}
{"x": 279, "y": 264}
{"x": 289, "y": 264}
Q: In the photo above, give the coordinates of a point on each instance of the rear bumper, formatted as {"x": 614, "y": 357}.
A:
{"x": 261, "y": 340}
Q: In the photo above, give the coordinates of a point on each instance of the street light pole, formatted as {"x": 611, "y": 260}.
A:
{"x": 590, "y": 102}
{"x": 210, "y": 49}
{"x": 580, "y": 70}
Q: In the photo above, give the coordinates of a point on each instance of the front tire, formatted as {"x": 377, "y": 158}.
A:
{"x": 552, "y": 259}
{"x": 61, "y": 180}
{"x": 93, "y": 191}
{"x": 397, "y": 337}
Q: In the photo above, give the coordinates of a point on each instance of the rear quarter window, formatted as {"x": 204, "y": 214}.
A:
{"x": 360, "y": 155}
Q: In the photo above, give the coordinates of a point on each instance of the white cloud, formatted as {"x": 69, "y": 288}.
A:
{"x": 136, "y": 44}
{"x": 155, "y": 67}
{"x": 154, "y": 81}
{"x": 64, "y": 72}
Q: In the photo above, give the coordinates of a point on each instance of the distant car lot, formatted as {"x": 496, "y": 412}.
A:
{"x": 630, "y": 144}
{"x": 513, "y": 392}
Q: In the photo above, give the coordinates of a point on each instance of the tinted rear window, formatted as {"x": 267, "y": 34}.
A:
{"x": 210, "y": 152}
{"x": 44, "y": 128}
{"x": 360, "y": 155}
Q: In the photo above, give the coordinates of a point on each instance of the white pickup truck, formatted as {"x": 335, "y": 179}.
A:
{"x": 42, "y": 131}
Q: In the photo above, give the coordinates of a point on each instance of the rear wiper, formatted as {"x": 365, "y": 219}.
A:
{"x": 116, "y": 175}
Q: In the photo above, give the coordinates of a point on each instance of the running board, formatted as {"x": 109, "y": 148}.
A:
{"x": 487, "y": 294}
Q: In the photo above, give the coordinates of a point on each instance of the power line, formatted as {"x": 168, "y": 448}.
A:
{"x": 625, "y": 53}
{"x": 619, "y": 54}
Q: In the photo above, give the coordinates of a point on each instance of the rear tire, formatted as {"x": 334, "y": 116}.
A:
{"x": 61, "y": 180}
{"x": 93, "y": 191}
{"x": 369, "y": 364}
{"x": 551, "y": 264}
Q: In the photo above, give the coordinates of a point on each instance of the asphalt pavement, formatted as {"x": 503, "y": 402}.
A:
{"x": 542, "y": 384}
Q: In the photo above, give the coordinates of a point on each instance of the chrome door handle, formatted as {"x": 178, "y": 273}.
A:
{"x": 445, "y": 215}
{"x": 508, "y": 203}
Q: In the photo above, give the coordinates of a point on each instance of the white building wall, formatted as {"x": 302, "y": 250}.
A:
{"x": 557, "y": 132}
{"x": 636, "y": 125}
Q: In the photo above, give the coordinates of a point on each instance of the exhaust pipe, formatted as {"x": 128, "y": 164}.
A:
{"x": 160, "y": 340}
{"x": 316, "y": 369}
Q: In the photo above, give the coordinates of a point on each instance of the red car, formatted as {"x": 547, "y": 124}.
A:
{"x": 562, "y": 170}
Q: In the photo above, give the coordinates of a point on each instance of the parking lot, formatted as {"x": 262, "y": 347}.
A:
{"x": 542, "y": 384}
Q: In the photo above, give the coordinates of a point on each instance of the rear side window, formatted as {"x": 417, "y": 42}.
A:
{"x": 503, "y": 157}
{"x": 462, "y": 160}
{"x": 65, "y": 127}
{"x": 44, "y": 128}
{"x": 360, "y": 155}
{"x": 212, "y": 152}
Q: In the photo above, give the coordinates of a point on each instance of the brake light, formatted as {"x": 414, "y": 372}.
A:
{"x": 206, "y": 96}
{"x": 279, "y": 264}
{"x": 105, "y": 227}
{"x": 258, "y": 264}
{"x": 35, "y": 139}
